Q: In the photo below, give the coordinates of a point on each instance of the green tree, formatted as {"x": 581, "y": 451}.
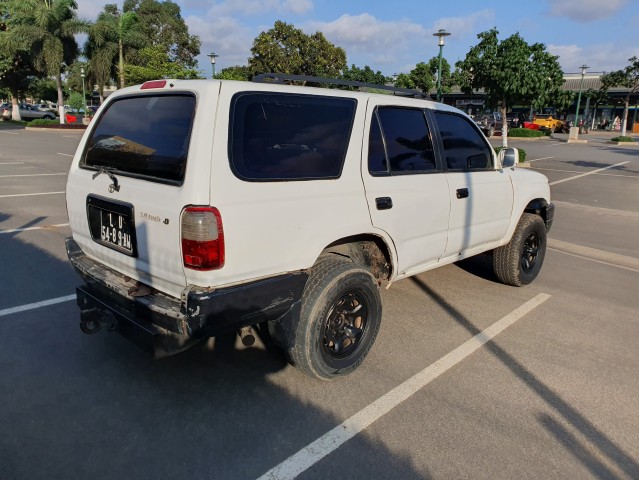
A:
{"x": 628, "y": 78}
{"x": 404, "y": 80}
{"x": 447, "y": 75}
{"x": 157, "y": 64}
{"x": 43, "y": 89}
{"x": 46, "y": 29}
{"x": 366, "y": 75}
{"x": 162, "y": 25}
{"x": 424, "y": 77}
{"x": 509, "y": 71}
{"x": 234, "y": 73}
{"x": 111, "y": 38}
{"x": 286, "y": 49}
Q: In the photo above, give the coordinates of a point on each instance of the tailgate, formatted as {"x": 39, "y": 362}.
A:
{"x": 129, "y": 183}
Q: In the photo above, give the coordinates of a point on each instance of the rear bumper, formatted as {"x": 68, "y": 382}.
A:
{"x": 164, "y": 325}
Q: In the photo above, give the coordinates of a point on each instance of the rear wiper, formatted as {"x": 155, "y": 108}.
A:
{"x": 115, "y": 186}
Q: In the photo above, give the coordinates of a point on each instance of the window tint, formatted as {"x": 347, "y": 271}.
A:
{"x": 376, "y": 152}
{"x": 408, "y": 143}
{"x": 289, "y": 137}
{"x": 464, "y": 147}
{"x": 145, "y": 135}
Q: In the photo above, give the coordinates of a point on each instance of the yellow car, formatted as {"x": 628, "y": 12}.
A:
{"x": 546, "y": 121}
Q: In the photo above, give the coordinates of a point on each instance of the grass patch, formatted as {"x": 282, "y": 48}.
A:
{"x": 522, "y": 152}
{"x": 14, "y": 123}
{"x": 38, "y": 122}
{"x": 622, "y": 139}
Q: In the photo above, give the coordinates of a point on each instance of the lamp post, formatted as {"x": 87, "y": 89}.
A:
{"x": 84, "y": 95}
{"x": 581, "y": 84}
{"x": 441, "y": 34}
{"x": 213, "y": 56}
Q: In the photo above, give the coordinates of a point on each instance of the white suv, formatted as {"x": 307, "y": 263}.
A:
{"x": 202, "y": 207}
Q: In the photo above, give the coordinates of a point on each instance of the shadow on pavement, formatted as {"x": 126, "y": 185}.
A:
{"x": 598, "y": 440}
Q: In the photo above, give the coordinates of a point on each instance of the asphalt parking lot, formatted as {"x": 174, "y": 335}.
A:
{"x": 468, "y": 378}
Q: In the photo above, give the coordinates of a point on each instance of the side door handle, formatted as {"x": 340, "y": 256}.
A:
{"x": 462, "y": 193}
{"x": 384, "y": 203}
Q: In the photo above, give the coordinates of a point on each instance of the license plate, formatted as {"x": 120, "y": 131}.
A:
{"x": 111, "y": 224}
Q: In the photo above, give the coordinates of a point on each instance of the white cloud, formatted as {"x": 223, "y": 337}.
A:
{"x": 463, "y": 26}
{"x": 585, "y": 10}
{"x": 89, "y": 9}
{"x": 603, "y": 57}
{"x": 255, "y": 7}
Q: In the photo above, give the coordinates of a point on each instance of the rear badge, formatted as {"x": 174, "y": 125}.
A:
{"x": 154, "y": 218}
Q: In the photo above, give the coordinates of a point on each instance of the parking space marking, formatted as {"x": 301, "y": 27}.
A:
{"x": 33, "y": 175}
{"x": 29, "y": 229}
{"x": 30, "y": 194}
{"x": 32, "y": 306}
{"x": 542, "y": 158}
{"x": 9, "y": 133}
{"x": 315, "y": 451}
{"x": 11, "y": 163}
{"x": 65, "y": 154}
{"x": 588, "y": 173}
{"x": 576, "y": 171}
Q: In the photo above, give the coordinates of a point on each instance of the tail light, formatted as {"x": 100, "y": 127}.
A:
{"x": 202, "y": 238}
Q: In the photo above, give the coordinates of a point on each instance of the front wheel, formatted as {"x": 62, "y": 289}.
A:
{"x": 519, "y": 261}
{"x": 339, "y": 321}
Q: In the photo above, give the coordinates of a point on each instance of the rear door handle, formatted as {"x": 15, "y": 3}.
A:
{"x": 384, "y": 203}
{"x": 462, "y": 193}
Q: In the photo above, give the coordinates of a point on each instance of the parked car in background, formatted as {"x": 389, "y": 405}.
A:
{"x": 27, "y": 112}
{"x": 490, "y": 123}
{"x": 548, "y": 122}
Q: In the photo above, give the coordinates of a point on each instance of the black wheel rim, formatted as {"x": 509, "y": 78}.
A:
{"x": 345, "y": 325}
{"x": 530, "y": 252}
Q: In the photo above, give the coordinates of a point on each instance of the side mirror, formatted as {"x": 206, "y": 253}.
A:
{"x": 508, "y": 157}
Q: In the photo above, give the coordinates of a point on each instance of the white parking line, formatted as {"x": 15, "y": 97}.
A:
{"x": 33, "y": 175}
{"x": 9, "y": 133}
{"x": 11, "y": 163}
{"x": 65, "y": 154}
{"x": 30, "y": 194}
{"x": 32, "y": 306}
{"x": 587, "y": 173}
{"x": 576, "y": 171}
{"x": 29, "y": 229}
{"x": 315, "y": 451}
{"x": 542, "y": 158}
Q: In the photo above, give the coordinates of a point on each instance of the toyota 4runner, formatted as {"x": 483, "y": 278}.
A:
{"x": 204, "y": 207}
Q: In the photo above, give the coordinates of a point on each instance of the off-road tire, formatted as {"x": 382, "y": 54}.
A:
{"x": 334, "y": 286}
{"x": 519, "y": 261}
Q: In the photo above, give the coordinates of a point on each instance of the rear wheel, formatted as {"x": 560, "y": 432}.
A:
{"x": 519, "y": 261}
{"x": 339, "y": 321}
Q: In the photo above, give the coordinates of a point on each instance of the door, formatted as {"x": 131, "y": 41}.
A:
{"x": 406, "y": 189}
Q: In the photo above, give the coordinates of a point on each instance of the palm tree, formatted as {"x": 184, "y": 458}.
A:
{"x": 110, "y": 37}
{"x": 46, "y": 29}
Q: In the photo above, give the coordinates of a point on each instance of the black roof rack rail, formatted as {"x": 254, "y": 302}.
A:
{"x": 282, "y": 78}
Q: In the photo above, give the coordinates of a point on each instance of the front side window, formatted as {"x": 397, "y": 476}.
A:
{"x": 276, "y": 136}
{"x": 146, "y": 135}
{"x": 464, "y": 146}
{"x": 400, "y": 142}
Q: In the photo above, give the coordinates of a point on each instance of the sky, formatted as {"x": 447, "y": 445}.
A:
{"x": 394, "y": 35}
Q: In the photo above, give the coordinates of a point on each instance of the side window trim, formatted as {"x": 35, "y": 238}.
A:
{"x": 375, "y": 120}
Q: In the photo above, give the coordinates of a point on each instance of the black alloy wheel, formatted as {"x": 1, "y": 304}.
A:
{"x": 345, "y": 325}
{"x": 530, "y": 252}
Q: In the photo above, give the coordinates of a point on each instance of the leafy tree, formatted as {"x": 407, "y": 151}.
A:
{"x": 234, "y": 73}
{"x": 404, "y": 80}
{"x": 447, "y": 76}
{"x": 46, "y": 29}
{"x": 157, "y": 64}
{"x": 286, "y": 49}
{"x": 162, "y": 25}
{"x": 627, "y": 78}
{"x": 366, "y": 75}
{"x": 424, "y": 77}
{"x": 509, "y": 72}
{"x": 111, "y": 38}
{"x": 43, "y": 89}
{"x": 76, "y": 100}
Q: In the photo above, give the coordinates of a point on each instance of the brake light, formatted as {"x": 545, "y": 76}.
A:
{"x": 202, "y": 238}
{"x": 153, "y": 84}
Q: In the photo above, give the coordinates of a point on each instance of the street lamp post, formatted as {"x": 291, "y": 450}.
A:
{"x": 581, "y": 84}
{"x": 441, "y": 34}
{"x": 213, "y": 56}
{"x": 84, "y": 95}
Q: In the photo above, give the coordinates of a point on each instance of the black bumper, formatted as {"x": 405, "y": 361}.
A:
{"x": 164, "y": 325}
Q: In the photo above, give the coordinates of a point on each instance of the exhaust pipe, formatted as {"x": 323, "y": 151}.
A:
{"x": 246, "y": 335}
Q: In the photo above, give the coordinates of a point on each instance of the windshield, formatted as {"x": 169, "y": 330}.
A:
{"x": 146, "y": 135}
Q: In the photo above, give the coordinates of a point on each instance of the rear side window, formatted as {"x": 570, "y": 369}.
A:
{"x": 276, "y": 136}
{"x": 407, "y": 146}
{"x": 147, "y": 136}
{"x": 464, "y": 147}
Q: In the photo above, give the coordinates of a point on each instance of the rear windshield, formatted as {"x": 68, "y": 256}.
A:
{"x": 277, "y": 136}
{"x": 144, "y": 136}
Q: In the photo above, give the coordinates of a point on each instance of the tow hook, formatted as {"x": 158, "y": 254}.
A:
{"x": 246, "y": 335}
{"x": 93, "y": 320}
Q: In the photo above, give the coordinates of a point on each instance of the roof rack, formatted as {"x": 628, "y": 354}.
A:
{"x": 283, "y": 78}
